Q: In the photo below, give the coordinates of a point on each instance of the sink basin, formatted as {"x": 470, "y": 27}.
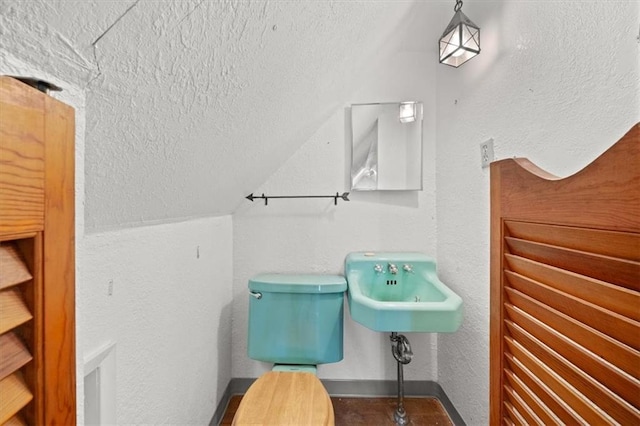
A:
{"x": 411, "y": 300}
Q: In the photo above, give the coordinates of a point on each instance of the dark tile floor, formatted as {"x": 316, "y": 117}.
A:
{"x": 372, "y": 411}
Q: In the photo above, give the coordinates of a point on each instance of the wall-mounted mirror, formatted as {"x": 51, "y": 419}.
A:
{"x": 386, "y": 151}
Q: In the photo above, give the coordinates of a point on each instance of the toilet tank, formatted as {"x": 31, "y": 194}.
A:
{"x": 296, "y": 319}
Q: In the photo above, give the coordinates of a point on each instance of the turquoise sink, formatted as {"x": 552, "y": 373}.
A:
{"x": 400, "y": 292}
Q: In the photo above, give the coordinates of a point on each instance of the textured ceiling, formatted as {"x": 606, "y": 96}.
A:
{"x": 191, "y": 105}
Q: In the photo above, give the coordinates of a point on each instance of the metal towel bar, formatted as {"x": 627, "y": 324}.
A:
{"x": 344, "y": 196}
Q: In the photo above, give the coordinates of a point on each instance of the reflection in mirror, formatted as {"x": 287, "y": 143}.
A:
{"x": 386, "y": 151}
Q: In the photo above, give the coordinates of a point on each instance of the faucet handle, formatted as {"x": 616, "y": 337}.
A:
{"x": 378, "y": 268}
{"x": 407, "y": 268}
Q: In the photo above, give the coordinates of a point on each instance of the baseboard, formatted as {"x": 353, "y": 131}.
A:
{"x": 234, "y": 387}
{"x": 354, "y": 388}
{"x": 379, "y": 388}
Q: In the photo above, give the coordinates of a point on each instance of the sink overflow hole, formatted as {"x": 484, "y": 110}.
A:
{"x": 392, "y": 282}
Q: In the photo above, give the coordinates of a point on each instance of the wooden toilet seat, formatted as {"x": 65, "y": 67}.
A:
{"x": 285, "y": 398}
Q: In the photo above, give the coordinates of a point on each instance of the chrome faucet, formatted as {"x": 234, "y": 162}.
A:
{"x": 393, "y": 268}
{"x": 378, "y": 268}
{"x": 407, "y": 268}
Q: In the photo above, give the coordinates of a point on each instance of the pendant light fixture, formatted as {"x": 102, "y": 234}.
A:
{"x": 461, "y": 40}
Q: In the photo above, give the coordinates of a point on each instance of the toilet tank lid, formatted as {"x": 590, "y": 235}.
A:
{"x": 298, "y": 283}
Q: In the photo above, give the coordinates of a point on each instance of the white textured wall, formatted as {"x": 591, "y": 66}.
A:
{"x": 170, "y": 316}
{"x": 555, "y": 82}
{"x": 315, "y": 236}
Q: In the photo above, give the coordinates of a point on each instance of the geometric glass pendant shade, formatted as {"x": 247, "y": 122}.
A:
{"x": 460, "y": 41}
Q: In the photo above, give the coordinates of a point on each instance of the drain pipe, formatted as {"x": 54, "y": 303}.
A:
{"x": 401, "y": 350}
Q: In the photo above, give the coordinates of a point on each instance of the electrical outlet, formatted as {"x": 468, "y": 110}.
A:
{"x": 486, "y": 153}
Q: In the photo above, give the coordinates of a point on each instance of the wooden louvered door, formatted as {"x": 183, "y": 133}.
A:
{"x": 565, "y": 291}
{"x": 37, "y": 263}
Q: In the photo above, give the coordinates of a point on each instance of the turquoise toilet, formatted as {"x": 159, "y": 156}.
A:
{"x": 296, "y": 322}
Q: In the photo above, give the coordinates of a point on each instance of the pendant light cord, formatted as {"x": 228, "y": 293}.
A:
{"x": 458, "y": 5}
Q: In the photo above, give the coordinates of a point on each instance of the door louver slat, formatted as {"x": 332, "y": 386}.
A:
{"x": 610, "y": 269}
{"x": 12, "y": 268}
{"x": 13, "y": 310}
{"x": 591, "y": 389}
{"x": 599, "y": 343}
{"x": 547, "y": 396}
{"x": 545, "y": 415}
{"x": 13, "y": 354}
{"x": 16, "y": 420}
{"x": 578, "y": 403}
{"x": 521, "y": 407}
{"x": 612, "y": 297}
{"x": 14, "y": 395}
{"x": 617, "y": 326}
{"x": 613, "y": 378}
{"x": 623, "y": 245}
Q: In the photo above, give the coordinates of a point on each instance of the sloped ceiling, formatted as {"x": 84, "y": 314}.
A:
{"x": 190, "y": 105}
